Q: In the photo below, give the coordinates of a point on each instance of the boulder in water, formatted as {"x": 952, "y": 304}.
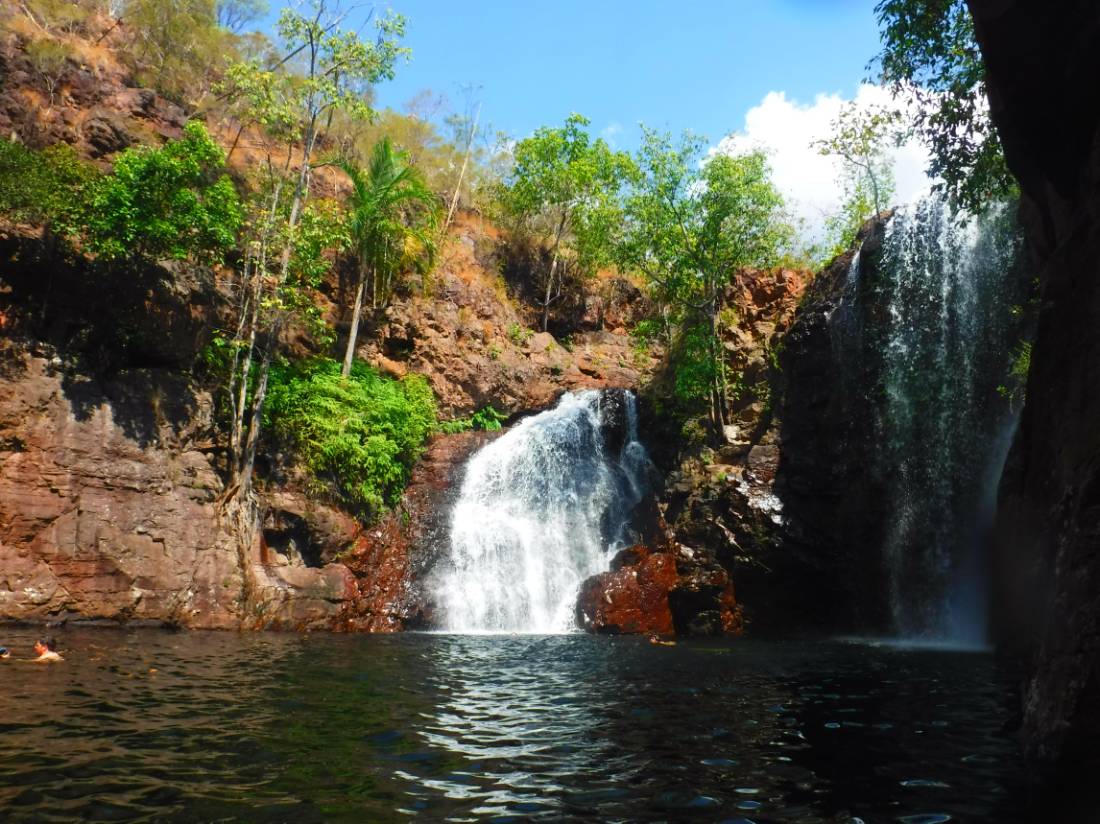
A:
{"x": 672, "y": 590}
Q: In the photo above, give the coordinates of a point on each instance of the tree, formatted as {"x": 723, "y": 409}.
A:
{"x": 930, "y": 55}
{"x": 169, "y": 202}
{"x": 690, "y": 224}
{"x": 176, "y": 45}
{"x": 234, "y": 15}
{"x": 293, "y": 109}
{"x": 860, "y": 138}
{"x": 565, "y": 185}
{"x": 392, "y": 220}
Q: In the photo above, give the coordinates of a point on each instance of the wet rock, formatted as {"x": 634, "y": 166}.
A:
{"x": 1047, "y": 609}
{"x": 670, "y": 590}
{"x": 632, "y": 598}
{"x": 391, "y": 562}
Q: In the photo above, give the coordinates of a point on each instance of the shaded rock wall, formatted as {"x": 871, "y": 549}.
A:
{"x": 824, "y": 566}
{"x": 1042, "y": 62}
{"x": 728, "y": 504}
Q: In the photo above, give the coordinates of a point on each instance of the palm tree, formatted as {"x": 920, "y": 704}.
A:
{"x": 392, "y": 217}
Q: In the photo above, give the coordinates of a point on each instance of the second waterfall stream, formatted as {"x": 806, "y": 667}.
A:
{"x": 540, "y": 509}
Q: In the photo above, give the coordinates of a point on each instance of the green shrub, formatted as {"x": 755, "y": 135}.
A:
{"x": 168, "y": 202}
{"x": 42, "y": 187}
{"x": 519, "y": 335}
{"x": 486, "y": 419}
{"x": 359, "y": 435}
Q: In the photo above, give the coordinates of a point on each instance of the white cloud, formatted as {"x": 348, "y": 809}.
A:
{"x": 786, "y": 129}
{"x": 610, "y": 132}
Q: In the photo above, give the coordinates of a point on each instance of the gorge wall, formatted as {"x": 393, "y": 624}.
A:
{"x": 1042, "y": 64}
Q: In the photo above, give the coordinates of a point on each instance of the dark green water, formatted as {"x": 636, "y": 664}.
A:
{"x": 266, "y": 727}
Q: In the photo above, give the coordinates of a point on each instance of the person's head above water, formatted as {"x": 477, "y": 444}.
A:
{"x": 5, "y": 652}
{"x": 46, "y": 649}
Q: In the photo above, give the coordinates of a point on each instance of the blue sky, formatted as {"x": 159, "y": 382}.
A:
{"x": 774, "y": 73}
{"x": 698, "y": 64}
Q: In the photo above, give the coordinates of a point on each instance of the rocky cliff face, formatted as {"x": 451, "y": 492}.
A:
{"x": 477, "y": 344}
{"x": 108, "y": 485}
{"x": 1042, "y": 62}
{"x": 719, "y": 521}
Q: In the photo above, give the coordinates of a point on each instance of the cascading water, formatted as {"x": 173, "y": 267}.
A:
{"x": 541, "y": 509}
{"x": 938, "y": 316}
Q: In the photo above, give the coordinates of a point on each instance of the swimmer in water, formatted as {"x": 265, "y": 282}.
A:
{"x": 5, "y": 652}
{"x": 46, "y": 650}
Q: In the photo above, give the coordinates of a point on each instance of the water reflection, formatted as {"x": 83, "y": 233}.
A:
{"x": 204, "y": 726}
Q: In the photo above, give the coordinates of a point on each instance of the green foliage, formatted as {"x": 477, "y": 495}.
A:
{"x": 695, "y": 367}
{"x": 359, "y": 435}
{"x": 519, "y": 335}
{"x": 176, "y": 46}
{"x": 392, "y": 217}
{"x": 1015, "y": 387}
{"x": 171, "y": 202}
{"x": 486, "y": 419}
{"x": 564, "y": 187}
{"x": 691, "y": 222}
{"x": 860, "y": 138}
{"x": 59, "y": 15}
{"x": 43, "y": 187}
{"x": 339, "y": 68}
{"x": 929, "y": 52}
{"x": 564, "y": 184}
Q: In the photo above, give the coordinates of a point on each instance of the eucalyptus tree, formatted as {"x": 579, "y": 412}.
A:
{"x": 565, "y": 187}
{"x": 861, "y": 137}
{"x": 392, "y": 217}
{"x": 322, "y": 69}
{"x": 690, "y": 222}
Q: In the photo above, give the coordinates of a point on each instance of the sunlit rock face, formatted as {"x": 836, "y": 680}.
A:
{"x": 672, "y": 590}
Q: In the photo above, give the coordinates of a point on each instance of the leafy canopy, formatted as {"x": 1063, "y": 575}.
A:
{"x": 564, "y": 183}
{"x": 338, "y": 72}
{"x": 392, "y": 217}
{"x": 860, "y": 139}
{"x": 359, "y": 435}
{"x": 690, "y": 222}
{"x": 930, "y": 52}
{"x": 168, "y": 202}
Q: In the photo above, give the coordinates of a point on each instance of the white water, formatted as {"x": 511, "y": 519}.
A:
{"x": 939, "y": 319}
{"x": 541, "y": 509}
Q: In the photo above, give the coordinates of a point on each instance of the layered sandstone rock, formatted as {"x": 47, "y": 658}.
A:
{"x": 476, "y": 345}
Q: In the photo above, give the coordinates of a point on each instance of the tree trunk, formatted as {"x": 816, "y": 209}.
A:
{"x": 353, "y": 334}
{"x": 553, "y": 269}
{"x": 549, "y": 288}
{"x": 462, "y": 173}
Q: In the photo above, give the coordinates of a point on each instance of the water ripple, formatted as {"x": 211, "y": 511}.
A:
{"x": 157, "y": 726}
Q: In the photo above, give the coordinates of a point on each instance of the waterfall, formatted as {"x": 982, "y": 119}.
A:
{"x": 541, "y": 509}
{"x": 936, "y": 318}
